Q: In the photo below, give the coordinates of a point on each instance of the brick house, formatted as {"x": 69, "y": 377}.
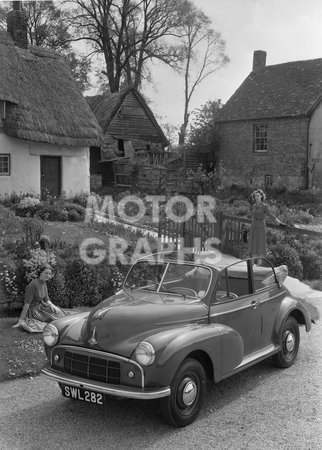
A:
{"x": 271, "y": 127}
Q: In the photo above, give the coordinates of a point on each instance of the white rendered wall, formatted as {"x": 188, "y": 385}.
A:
{"x": 25, "y": 166}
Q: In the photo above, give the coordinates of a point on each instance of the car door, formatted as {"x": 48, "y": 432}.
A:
{"x": 235, "y": 306}
{"x": 269, "y": 296}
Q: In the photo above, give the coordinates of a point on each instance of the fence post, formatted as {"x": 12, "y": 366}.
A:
{"x": 221, "y": 230}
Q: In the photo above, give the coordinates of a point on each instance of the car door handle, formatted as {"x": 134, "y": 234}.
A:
{"x": 255, "y": 303}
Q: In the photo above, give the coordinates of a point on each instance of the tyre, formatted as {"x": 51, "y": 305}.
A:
{"x": 187, "y": 393}
{"x": 289, "y": 342}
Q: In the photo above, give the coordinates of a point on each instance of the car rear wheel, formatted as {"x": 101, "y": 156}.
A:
{"x": 187, "y": 392}
{"x": 289, "y": 342}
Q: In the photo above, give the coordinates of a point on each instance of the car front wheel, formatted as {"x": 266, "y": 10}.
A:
{"x": 187, "y": 392}
{"x": 289, "y": 342}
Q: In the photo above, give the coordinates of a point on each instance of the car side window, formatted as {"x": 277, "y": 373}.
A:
{"x": 263, "y": 277}
{"x": 233, "y": 282}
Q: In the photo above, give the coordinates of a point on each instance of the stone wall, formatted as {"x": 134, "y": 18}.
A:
{"x": 285, "y": 159}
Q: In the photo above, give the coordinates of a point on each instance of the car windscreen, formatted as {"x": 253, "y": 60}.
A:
{"x": 186, "y": 280}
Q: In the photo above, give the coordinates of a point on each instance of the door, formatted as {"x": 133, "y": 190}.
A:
{"x": 270, "y": 296}
{"x": 50, "y": 176}
{"x": 237, "y": 307}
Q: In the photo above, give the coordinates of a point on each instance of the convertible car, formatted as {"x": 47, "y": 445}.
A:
{"x": 176, "y": 324}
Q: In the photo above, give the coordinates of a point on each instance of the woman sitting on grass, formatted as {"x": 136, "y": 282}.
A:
{"x": 38, "y": 310}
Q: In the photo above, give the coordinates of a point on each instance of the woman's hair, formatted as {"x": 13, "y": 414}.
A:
{"x": 262, "y": 194}
{"x": 44, "y": 267}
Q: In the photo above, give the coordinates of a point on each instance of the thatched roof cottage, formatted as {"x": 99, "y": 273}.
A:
{"x": 46, "y": 126}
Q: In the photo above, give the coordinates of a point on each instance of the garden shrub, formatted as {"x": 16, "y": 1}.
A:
{"x": 28, "y": 211}
{"x": 312, "y": 264}
{"x": 9, "y": 278}
{"x": 38, "y": 258}
{"x": 56, "y": 288}
{"x": 80, "y": 199}
{"x": 32, "y": 229}
{"x": 241, "y": 208}
{"x": 282, "y": 253}
{"x": 81, "y": 284}
{"x": 203, "y": 182}
{"x": 73, "y": 216}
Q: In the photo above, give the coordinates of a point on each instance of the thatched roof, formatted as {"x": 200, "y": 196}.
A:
{"x": 44, "y": 103}
{"x": 118, "y": 115}
{"x": 282, "y": 90}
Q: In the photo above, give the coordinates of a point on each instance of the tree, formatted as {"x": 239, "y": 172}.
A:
{"x": 204, "y": 54}
{"x": 204, "y": 132}
{"x": 47, "y": 27}
{"x": 128, "y": 34}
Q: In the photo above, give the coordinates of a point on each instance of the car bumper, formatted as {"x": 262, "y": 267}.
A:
{"x": 117, "y": 391}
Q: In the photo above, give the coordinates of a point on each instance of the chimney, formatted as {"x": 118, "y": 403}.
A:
{"x": 259, "y": 59}
{"x": 17, "y": 24}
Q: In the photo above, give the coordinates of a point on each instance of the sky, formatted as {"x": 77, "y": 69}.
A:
{"x": 288, "y": 30}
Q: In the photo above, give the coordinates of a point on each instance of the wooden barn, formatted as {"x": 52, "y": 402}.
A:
{"x": 131, "y": 134}
{"x": 46, "y": 126}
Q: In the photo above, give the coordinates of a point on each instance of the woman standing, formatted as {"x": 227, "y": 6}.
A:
{"x": 257, "y": 232}
{"x": 38, "y": 309}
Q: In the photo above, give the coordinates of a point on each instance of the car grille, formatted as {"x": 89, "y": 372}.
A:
{"x": 92, "y": 368}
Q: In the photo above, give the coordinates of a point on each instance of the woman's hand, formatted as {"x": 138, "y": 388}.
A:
{"x": 53, "y": 307}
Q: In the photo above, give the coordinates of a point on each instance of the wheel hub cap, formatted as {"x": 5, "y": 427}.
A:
{"x": 189, "y": 393}
{"x": 290, "y": 342}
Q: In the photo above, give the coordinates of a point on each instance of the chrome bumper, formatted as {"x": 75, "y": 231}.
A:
{"x": 125, "y": 392}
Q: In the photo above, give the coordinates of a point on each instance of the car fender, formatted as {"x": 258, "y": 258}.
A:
{"x": 216, "y": 346}
{"x": 291, "y": 307}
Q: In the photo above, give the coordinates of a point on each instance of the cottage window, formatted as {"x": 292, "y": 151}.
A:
{"x": 260, "y": 138}
{"x": 268, "y": 181}
{"x": 4, "y": 164}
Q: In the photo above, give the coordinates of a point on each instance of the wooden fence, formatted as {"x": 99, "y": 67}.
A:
{"x": 231, "y": 232}
{"x": 190, "y": 234}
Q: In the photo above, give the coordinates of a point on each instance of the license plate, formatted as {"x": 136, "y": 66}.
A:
{"x": 82, "y": 394}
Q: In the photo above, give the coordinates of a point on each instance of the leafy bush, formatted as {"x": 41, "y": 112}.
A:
{"x": 203, "y": 182}
{"x": 73, "y": 216}
{"x": 282, "y": 253}
{"x": 75, "y": 213}
{"x": 56, "y": 288}
{"x": 25, "y": 211}
{"x": 32, "y": 229}
{"x": 9, "y": 278}
{"x": 79, "y": 199}
{"x": 238, "y": 207}
{"x": 38, "y": 258}
{"x": 13, "y": 199}
{"x": 312, "y": 265}
{"x": 52, "y": 212}
{"x": 82, "y": 284}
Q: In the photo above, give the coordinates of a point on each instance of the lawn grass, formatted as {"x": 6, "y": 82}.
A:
{"x": 21, "y": 354}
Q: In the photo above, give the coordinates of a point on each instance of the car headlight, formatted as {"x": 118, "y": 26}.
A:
{"x": 145, "y": 354}
{"x": 50, "y": 335}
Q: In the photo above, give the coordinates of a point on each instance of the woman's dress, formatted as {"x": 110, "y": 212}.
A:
{"x": 40, "y": 310}
{"x": 257, "y": 232}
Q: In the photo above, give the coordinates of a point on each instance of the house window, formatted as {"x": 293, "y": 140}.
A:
{"x": 268, "y": 181}
{"x": 4, "y": 164}
{"x": 260, "y": 138}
